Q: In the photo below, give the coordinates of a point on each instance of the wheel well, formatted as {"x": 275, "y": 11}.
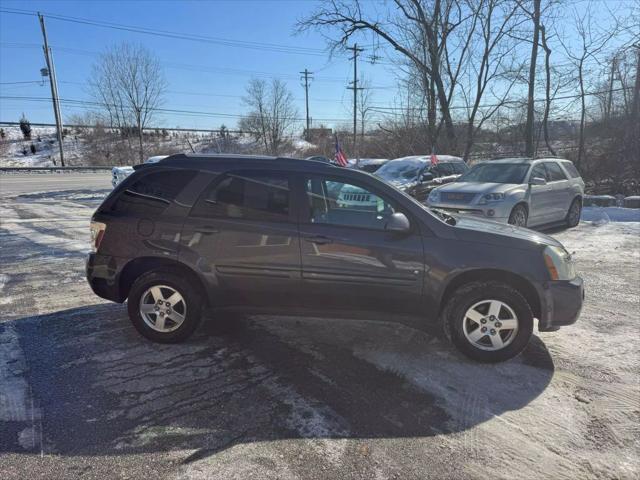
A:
{"x": 524, "y": 204}
{"x": 521, "y": 284}
{"x": 139, "y": 266}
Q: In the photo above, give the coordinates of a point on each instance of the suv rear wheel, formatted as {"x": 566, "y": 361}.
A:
{"x": 488, "y": 321}
{"x": 164, "y": 306}
{"x": 573, "y": 215}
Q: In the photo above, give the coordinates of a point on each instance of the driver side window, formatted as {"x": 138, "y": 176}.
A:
{"x": 538, "y": 171}
{"x": 335, "y": 202}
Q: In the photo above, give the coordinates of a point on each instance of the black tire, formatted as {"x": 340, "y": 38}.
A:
{"x": 184, "y": 286}
{"x": 573, "y": 218}
{"x": 518, "y": 213}
{"x": 470, "y": 294}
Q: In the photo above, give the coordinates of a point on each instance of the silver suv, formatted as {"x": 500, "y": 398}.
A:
{"x": 519, "y": 191}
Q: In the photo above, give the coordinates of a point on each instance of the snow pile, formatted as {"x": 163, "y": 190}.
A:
{"x": 602, "y": 215}
{"x": 16, "y": 151}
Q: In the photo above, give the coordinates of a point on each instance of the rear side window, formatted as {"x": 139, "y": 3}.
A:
{"x": 153, "y": 193}
{"x": 571, "y": 169}
{"x": 459, "y": 167}
{"x": 554, "y": 172}
{"x": 248, "y": 196}
{"x": 444, "y": 169}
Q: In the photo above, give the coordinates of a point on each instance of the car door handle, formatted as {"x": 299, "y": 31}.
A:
{"x": 319, "y": 240}
{"x": 207, "y": 230}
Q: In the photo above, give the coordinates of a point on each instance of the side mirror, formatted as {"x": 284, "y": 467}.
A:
{"x": 537, "y": 181}
{"x": 427, "y": 176}
{"x": 398, "y": 222}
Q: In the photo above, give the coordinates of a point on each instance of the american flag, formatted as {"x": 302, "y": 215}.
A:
{"x": 341, "y": 158}
{"x": 434, "y": 159}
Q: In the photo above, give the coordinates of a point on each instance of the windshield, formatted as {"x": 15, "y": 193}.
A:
{"x": 401, "y": 169}
{"x": 496, "y": 173}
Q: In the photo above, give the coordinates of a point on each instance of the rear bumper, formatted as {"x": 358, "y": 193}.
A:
{"x": 102, "y": 274}
{"x": 563, "y": 301}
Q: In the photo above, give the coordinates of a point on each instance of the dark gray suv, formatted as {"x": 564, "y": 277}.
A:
{"x": 274, "y": 235}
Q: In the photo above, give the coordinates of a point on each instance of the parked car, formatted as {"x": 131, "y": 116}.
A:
{"x": 417, "y": 177}
{"x": 320, "y": 158}
{"x": 269, "y": 235}
{"x": 369, "y": 165}
{"x": 519, "y": 191}
{"x": 118, "y": 174}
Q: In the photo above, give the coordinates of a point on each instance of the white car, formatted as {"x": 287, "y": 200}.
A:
{"x": 118, "y": 174}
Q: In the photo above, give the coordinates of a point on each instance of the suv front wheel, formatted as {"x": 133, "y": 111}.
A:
{"x": 164, "y": 306}
{"x": 488, "y": 321}
{"x": 518, "y": 216}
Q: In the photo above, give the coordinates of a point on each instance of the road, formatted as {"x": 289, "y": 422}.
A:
{"x": 82, "y": 395}
{"x": 11, "y": 183}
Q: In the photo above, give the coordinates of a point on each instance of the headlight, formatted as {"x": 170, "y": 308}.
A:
{"x": 434, "y": 196}
{"x": 491, "y": 197}
{"x": 559, "y": 263}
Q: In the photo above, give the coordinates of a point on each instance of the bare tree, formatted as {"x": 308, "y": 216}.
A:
{"x": 129, "y": 85}
{"x": 418, "y": 31}
{"x": 365, "y": 98}
{"x": 547, "y": 88}
{"x": 489, "y": 62}
{"x": 534, "y": 14}
{"x": 591, "y": 42}
{"x": 272, "y": 113}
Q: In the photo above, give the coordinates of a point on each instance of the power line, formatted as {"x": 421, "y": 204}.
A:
{"x": 86, "y": 103}
{"x": 261, "y": 46}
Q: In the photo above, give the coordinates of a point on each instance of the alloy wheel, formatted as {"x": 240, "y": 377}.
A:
{"x": 519, "y": 218}
{"x": 490, "y": 325}
{"x": 163, "y": 308}
{"x": 574, "y": 213}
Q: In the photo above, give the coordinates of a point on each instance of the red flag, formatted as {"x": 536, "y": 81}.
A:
{"x": 434, "y": 159}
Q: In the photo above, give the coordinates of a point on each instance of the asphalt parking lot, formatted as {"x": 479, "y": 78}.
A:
{"x": 82, "y": 395}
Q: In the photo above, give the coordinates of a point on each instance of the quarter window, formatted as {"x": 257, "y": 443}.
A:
{"x": 571, "y": 169}
{"x": 554, "y": 172}
{"x": 246, "y": 195}
{"x": 340, "y": 203}
{"x": 153, "y": 193}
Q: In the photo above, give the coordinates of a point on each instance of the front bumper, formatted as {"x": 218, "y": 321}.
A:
{"x": 497, "y": 211}
{"x": 563, "y": 304}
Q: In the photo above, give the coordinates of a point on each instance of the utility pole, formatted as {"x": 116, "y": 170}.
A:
{"x": 355, "y": 89}
{"x": 54, "y": 87}
{"x": 306, "y": 74}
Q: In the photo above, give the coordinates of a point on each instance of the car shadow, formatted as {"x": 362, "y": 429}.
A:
{"x": 99, "y": 388}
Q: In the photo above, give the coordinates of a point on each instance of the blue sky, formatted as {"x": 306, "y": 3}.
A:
{"x": 190, "y": 67}
{"x": 201, "y": 76}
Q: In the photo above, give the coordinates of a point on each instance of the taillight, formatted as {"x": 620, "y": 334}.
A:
{"x": 97, "y": 233}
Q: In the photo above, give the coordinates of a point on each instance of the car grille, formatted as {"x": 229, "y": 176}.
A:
{"x": 356, "y": 197}
{"x": 457, "y": 197}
